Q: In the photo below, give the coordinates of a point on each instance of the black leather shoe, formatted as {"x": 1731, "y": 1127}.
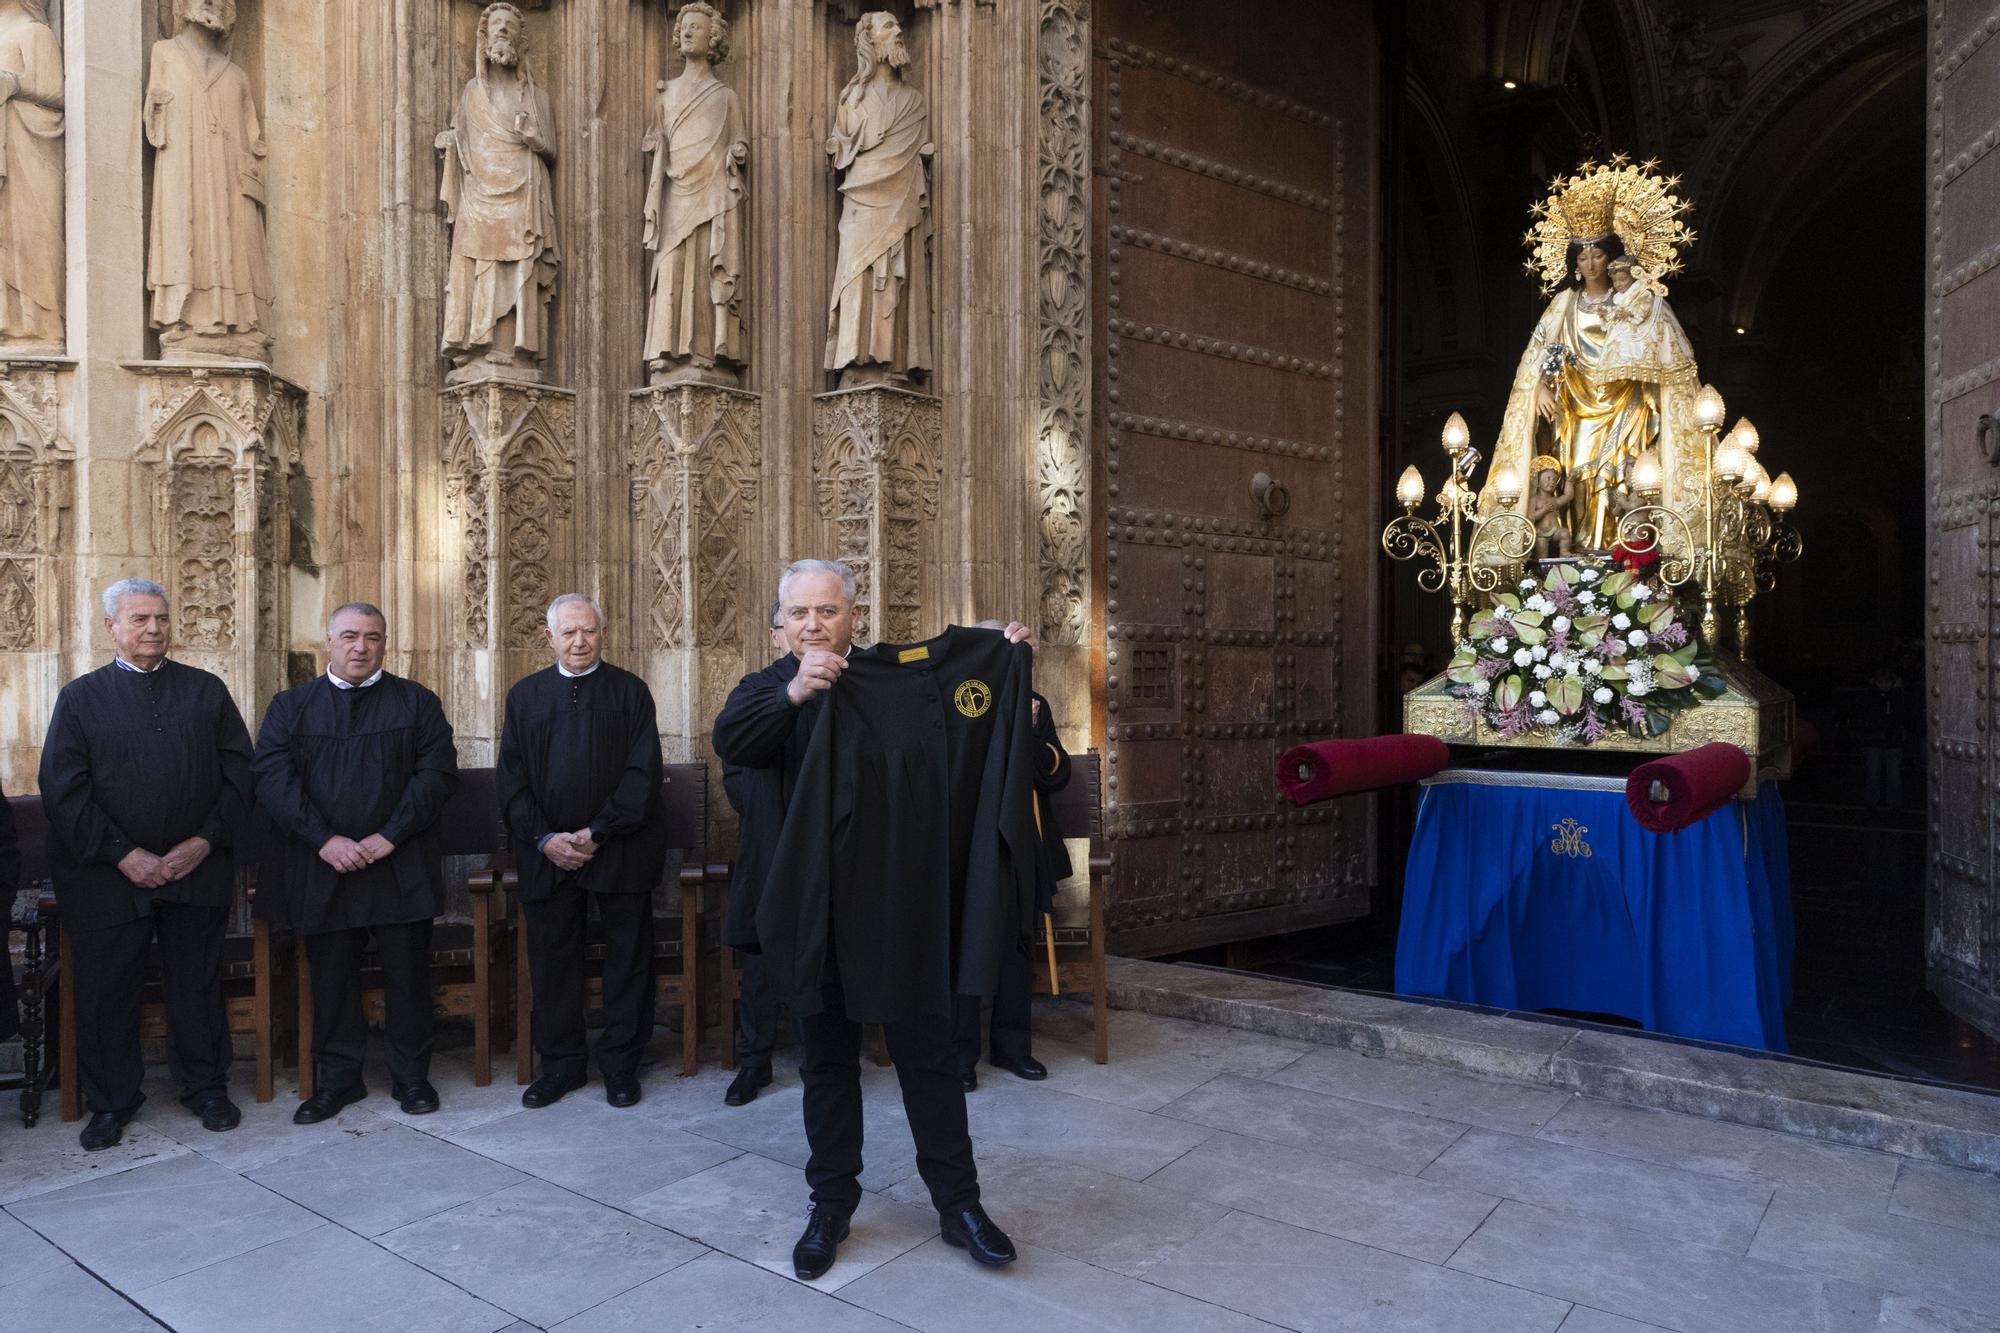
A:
{"x": 623, "y": 1091}
{"x": 743, "y": 1088}
{"x": 1027, "y": 1067}
{"x": 327, "y": 1103}
{"x": 218, "y": 1114}
{"x": 813, "y": 1255}
{"x": 969, "y": 1077}
{"x": 976, "y": 1233}
{"x": 418, "y": 1098}
{"x": 550, "y": 1089}
{"x": 107, "y": 1128}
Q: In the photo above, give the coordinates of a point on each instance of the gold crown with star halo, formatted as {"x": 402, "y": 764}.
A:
{"x": 1619, "y": 196}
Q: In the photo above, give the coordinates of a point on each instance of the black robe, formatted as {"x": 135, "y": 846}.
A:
{"x": 909, "y": 842}
{"x": 577, "y": 751}
{"x": 142, "y": 759}
{"x": 356, "y": 762}
{"x": 1052, "y": 865}
{"x": 761, "y": 739}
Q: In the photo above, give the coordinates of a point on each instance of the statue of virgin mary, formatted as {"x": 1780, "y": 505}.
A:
{"x": 1608, "y": 375}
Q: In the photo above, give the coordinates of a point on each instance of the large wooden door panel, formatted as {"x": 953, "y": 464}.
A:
{"x": 1234, "y": 627}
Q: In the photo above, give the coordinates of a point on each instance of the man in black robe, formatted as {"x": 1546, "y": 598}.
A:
{"x": 580, "y": 788}
{"x": 1011, "y": 1040}
{"x": 754, "y": 794}
{"x": 767, "y": 725}
{"x": 355, "y": 767}
{"x": 146, "y": 779}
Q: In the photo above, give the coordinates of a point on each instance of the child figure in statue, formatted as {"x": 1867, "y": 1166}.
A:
{"x": 1548, "y": 504}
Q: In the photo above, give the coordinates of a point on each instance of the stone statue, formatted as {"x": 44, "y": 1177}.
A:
{"x": 31, "y": 180}
{"x": 694, "y": 316}
{"x": 879, "y": 319}
{"x": 205, "y": 261}
{"x": 501, "y": 203}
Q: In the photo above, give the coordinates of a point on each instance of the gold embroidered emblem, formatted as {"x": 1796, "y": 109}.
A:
{"x": 1569, "y": 839}
{"x": 973, "y": 698}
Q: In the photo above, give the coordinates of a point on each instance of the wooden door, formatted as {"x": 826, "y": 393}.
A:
{"x": 1962, "y": 907}
{"x": 1235, "y": 257}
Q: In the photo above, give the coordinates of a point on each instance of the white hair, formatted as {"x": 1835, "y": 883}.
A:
{"x": 119, "y": 591}
{"x": 574, "y": 599}
{"x": 368, "y": 609}
{"x": 833, "y": 567}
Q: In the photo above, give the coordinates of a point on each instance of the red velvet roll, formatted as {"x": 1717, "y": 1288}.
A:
{"x": 1697, "y": 784}
{"x": 1308, "y": 773}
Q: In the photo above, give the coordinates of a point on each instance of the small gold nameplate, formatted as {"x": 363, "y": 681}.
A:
{"x": 914, "y": 655}
{"x": 1569, "y": 839}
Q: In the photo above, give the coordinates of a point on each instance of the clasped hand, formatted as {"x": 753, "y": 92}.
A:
{"x": 570, "y": 851}
{"x": 148, "y": 871}
{"x": 347, "y": 856}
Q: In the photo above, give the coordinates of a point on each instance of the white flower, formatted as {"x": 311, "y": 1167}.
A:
{"x": 1591, "y": 575}
{"x": 1602, "y": 694}
{"x": 1641, "y": 593}
{"x": 1500, "y": 643}
{"x": 1586, "y": 597}
{"x": 1502, "y": 613}
{"x": 1547, "y": 717}
{"x": 1541, "y": 603}
{"x": 1621, "y": 621}
{"x": 1537, "y": 698}
{"x": 1542, "y": 671}
{"x": 1559, "y": 660}
{"x": 1541, "y": 653}
{"x": 1482, "y": 687}
{"x": 1562, "y": 622}
{"x": 1527, "y": 585}
{"x": 1637, "y": 687}
{"x": 1591, "y": 666}
{"x": 1522, "y": 657}
{"x": 1637, "y": 638}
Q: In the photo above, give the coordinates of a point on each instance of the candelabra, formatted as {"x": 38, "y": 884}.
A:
{"x": 1745, "y": 533}
{"x": 1460, "y": 561}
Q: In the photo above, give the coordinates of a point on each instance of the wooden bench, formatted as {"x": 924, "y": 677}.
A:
{"x": 41, "y": 993}
{"x": 676, "y": 952}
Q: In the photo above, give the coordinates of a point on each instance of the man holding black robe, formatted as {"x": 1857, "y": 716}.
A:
{"x": 767, "y": 725}
{"x": 146, "y": 778}
{"x": 580, "y": 788}
{"x": 355, "y": 768}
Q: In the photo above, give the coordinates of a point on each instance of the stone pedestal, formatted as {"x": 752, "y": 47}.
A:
{"x": 37, "y": 495}
{"x": 509, "y": 499}
{"x": 694, "y": 456}
{"x": 877, "y": 468}
{"x": 221, "y": 442}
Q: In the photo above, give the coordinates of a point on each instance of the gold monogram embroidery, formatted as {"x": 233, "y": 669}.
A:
{"x": 973, "y": 697}
{"x": 1569, "y": 838}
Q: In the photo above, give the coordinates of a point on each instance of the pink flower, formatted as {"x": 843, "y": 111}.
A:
{"x": 1489, "y": 667}
{"x": 1559, "y": 641}
{"x": 1673, "y": 636}
{"x": 1594, "y": 728}
{"x": 1635, "y": 712}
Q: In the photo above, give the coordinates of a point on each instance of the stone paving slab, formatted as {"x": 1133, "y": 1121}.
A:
{"x": 1964, "y": 1199}
{"x": 1396, "y": 1140}
{"x": 718, "y": 1294}
{"x": 375, "y": 1182}
{"x": 1499, "y": 1104}
{"x": 599, "y": 1151}
{"x": 48, "y": 1157}
{"x": 1908, "y": 1255}
{"x": 67, "y": 1298}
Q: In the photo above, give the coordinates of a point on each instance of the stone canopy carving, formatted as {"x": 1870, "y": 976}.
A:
{"x": 879, "y": 316}
{"x": 31, "y": 180}
{"x": 206, "y": 266}
{"x": 500, "y": 202}
{"x": 694, "y": 198}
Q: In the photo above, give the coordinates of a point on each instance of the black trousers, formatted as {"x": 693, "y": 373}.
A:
{"x": 756, "y": 1015}
{"x": 340, "y": 1033}
{"x": 1011, "y": 1034}
{"x": 109, "y": 965}
{"x": 933, "y": 1097}
{"x": 555, "y": 963}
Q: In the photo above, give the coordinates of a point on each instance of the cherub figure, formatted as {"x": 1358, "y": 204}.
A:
{"x": 1548, "y": 503}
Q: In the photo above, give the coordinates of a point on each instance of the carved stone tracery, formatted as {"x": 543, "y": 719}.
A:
{"x": 35, "y": 483}
{"x": 878, "y": 461}
{"x": 1062, "y": 435}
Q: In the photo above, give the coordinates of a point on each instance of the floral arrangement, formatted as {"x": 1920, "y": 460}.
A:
{"x": 1583, "y": 652}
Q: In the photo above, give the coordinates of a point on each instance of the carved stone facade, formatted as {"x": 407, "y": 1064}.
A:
{"x": 877, "y": 454}
{"x": 1062, "y": 437}
{"x": 223, "y": 444}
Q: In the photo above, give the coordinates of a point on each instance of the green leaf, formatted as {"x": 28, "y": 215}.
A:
{"x": 1672, "y": 674}
{"x": 1528, "y": 617}
{"x": 1658, "y": 723}
{"x": 1614, "y": 673}
{"x": 1616, "y": 583}
{"x": 1530, "y": 634}
{"x": 1566, "y": 693}
{"x": 1508, "y": 600}
{"x": 1591, "y": 624}
{"x": 1685, "y": 654}
{"x": 1508, "y": 692}
{"x": 1560, "y": 577}
{"x": 1654, "y": 614}
{"x": 1626, "y": 601}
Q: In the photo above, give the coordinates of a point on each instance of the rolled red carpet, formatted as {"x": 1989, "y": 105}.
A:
{"x": 1308, "y": 773}
{"x": 1696, "y": 784}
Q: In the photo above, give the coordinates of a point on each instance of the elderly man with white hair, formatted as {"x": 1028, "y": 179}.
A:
{"x": 146, "y": 779}
{"x": 580, "y": 788}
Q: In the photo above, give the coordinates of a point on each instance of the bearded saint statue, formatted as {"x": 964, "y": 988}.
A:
{"x": 500, "y": 202}
{"x": 879, "y": 318}
{"x": 694, "y": 199}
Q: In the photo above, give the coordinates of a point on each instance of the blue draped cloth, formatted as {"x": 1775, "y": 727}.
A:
{"x": 1540, "y": 891}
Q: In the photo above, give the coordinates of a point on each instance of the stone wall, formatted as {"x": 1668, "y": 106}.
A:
{"x": 264, "y": 489}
